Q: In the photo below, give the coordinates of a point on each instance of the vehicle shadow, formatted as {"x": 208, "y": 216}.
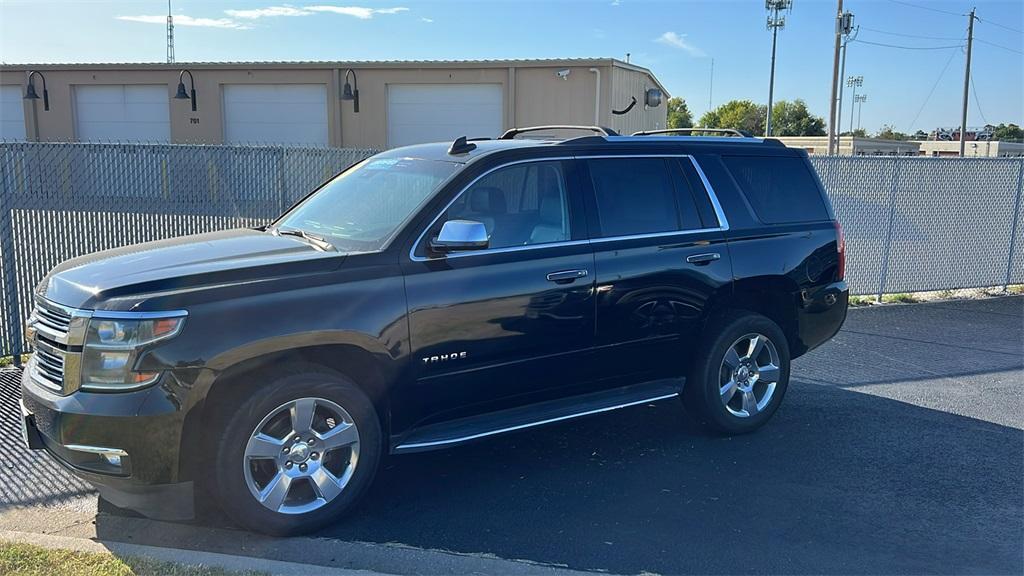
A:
{"x": 838, "y": 482}
{"x": 857, "y": 473}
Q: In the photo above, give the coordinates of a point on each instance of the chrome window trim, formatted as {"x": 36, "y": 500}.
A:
{"x": 723, "y": 222}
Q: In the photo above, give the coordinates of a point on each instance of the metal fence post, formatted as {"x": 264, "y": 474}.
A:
{"x": 893, "y": 185}
{"x": 12, "y": 319}
{"x": 1016, "y": 220}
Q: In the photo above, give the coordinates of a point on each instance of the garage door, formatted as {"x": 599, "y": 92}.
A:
{"x": 123, "y": 113}
{"x": 276, "y": 113}
{"x": 12, "y": 113}
{"x": 420, "y": 113}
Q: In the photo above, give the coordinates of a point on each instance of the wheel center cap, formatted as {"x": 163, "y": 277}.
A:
{"x": 299, "y": 453}
{"x": 743, "y": 373}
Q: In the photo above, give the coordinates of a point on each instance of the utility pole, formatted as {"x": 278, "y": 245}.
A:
{"x": 170, "y": 34}
{"x": 775, "y": 22}
{"x": 836, "y": 79}
{"x": 849, "y": 34}
{"x": 854, "y": 82}
{"x": 967, "y": 80}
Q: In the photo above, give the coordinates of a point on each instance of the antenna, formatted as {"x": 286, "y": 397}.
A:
{"x": 170, "y": 34}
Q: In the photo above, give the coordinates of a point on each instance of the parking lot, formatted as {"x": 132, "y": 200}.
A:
{"x": 899, "y": 449}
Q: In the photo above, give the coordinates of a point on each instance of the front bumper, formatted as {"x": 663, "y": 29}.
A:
{"x": 102, "y": 438}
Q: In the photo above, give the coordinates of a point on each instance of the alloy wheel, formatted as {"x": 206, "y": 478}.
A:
{"x": 749, "y": 375}
{"x": 301, "y": 455}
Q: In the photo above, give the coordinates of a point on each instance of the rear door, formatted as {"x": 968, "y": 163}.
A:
{"x": 660, "y": 256}
{"x": 500, "y": 327}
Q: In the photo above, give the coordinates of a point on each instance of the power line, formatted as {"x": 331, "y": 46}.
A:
{"x": 910, "y": 35}
{"x": 932, "y": 91}
{"x": 933, "y": 9}
{"x": 909, "y": 47}
{"x": 977, "y": 103}
{"x": 1001, "y": 26}
{"x": 998, "y": 45}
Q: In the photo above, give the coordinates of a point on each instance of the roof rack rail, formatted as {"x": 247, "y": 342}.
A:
{"x": 513, "y": 132}
{"x": 686, "y": 131}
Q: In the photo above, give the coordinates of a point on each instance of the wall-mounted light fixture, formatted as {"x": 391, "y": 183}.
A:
{"x": 182, "y": 94}
{"x": 349, "y": 92}
{"x": 30, "y": 89}
{"x": 652, "y": 98}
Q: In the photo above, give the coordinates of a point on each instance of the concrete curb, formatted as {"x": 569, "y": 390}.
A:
{"x": 189, "y": 557}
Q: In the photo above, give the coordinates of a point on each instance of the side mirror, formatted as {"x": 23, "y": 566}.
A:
{"x": 457, "y": 235}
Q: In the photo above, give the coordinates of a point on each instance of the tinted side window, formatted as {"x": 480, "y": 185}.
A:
{"x": 780, "y": 190}
{"x": 519, "y": 205}
{"x": 634, "y": 196}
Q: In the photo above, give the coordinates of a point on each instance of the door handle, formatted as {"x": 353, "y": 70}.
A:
{"x": 701, "y": 259}
{"x": 566, "y": 276}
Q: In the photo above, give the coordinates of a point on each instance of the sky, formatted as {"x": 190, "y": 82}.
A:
{"x": 915, "y": 82}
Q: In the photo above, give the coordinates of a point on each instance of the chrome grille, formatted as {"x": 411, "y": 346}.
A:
{"x": 47, "y": 368}
{"x": 56, "y": 333}
{"x": 52, "y": 317}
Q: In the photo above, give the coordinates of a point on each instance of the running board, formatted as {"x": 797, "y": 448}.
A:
{"x": 447, "y": 434}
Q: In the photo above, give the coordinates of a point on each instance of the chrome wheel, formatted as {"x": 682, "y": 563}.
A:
{"x": 301, "y": 455}
{"x": 749, "y": 374}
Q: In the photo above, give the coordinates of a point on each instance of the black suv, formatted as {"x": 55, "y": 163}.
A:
{"x": 429, "y": 296}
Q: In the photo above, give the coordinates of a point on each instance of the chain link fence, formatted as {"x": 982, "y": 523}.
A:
{"x": 911, "y": 224}
{"x": 62, "y": 200}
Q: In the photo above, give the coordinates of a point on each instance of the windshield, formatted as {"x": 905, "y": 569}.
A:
{"x": 362, "y": 208}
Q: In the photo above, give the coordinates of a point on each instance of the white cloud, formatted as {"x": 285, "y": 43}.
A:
{"x": 183, "y": 20}
{"x": 679, "y": 41}
{"x": 616, "y": 3}
{"x": 361, "y": 12}
{"x": 268, "y": 12}
{"x": 427, "y": 20}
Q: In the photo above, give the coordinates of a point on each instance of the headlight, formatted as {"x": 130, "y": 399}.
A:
{"x": 112, "y": 344}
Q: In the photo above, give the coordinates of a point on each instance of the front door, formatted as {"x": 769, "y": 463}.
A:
{"x": 659, "y": 256}
{"x": 502, "y": 326}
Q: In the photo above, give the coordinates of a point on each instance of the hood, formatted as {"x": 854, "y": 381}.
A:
{"x": 189, "y": 262}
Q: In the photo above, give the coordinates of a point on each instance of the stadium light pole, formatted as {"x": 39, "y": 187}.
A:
{"x": 854, "y": 82}
{"x": 776, "y": 21}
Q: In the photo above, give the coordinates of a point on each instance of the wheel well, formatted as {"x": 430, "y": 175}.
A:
{"x": 773, "y": 302}
{"x": 356, "y": 363}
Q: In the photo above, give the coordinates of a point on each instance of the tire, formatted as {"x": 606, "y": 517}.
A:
{"x": 756, "y": 391}
{"x": 318, "y": 477}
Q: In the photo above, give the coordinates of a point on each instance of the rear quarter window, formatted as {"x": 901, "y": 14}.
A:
{"x": 780, "y": 190}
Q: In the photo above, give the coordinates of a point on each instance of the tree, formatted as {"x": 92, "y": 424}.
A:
{"x": 794, "y": 119}
{"x": 889, "y": 133}
{"x": 679, "y": 115}
{"x": 788, "y": 118}
{"x": 858, "y": 133}
{"x": 1008, "y": 133}
{"x": 739, "y": 114}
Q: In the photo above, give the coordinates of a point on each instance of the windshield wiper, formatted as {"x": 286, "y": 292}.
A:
{"x": 313, "y": 239}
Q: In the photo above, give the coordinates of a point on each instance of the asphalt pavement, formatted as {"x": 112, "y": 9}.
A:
{"x": 899, "y": 449}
